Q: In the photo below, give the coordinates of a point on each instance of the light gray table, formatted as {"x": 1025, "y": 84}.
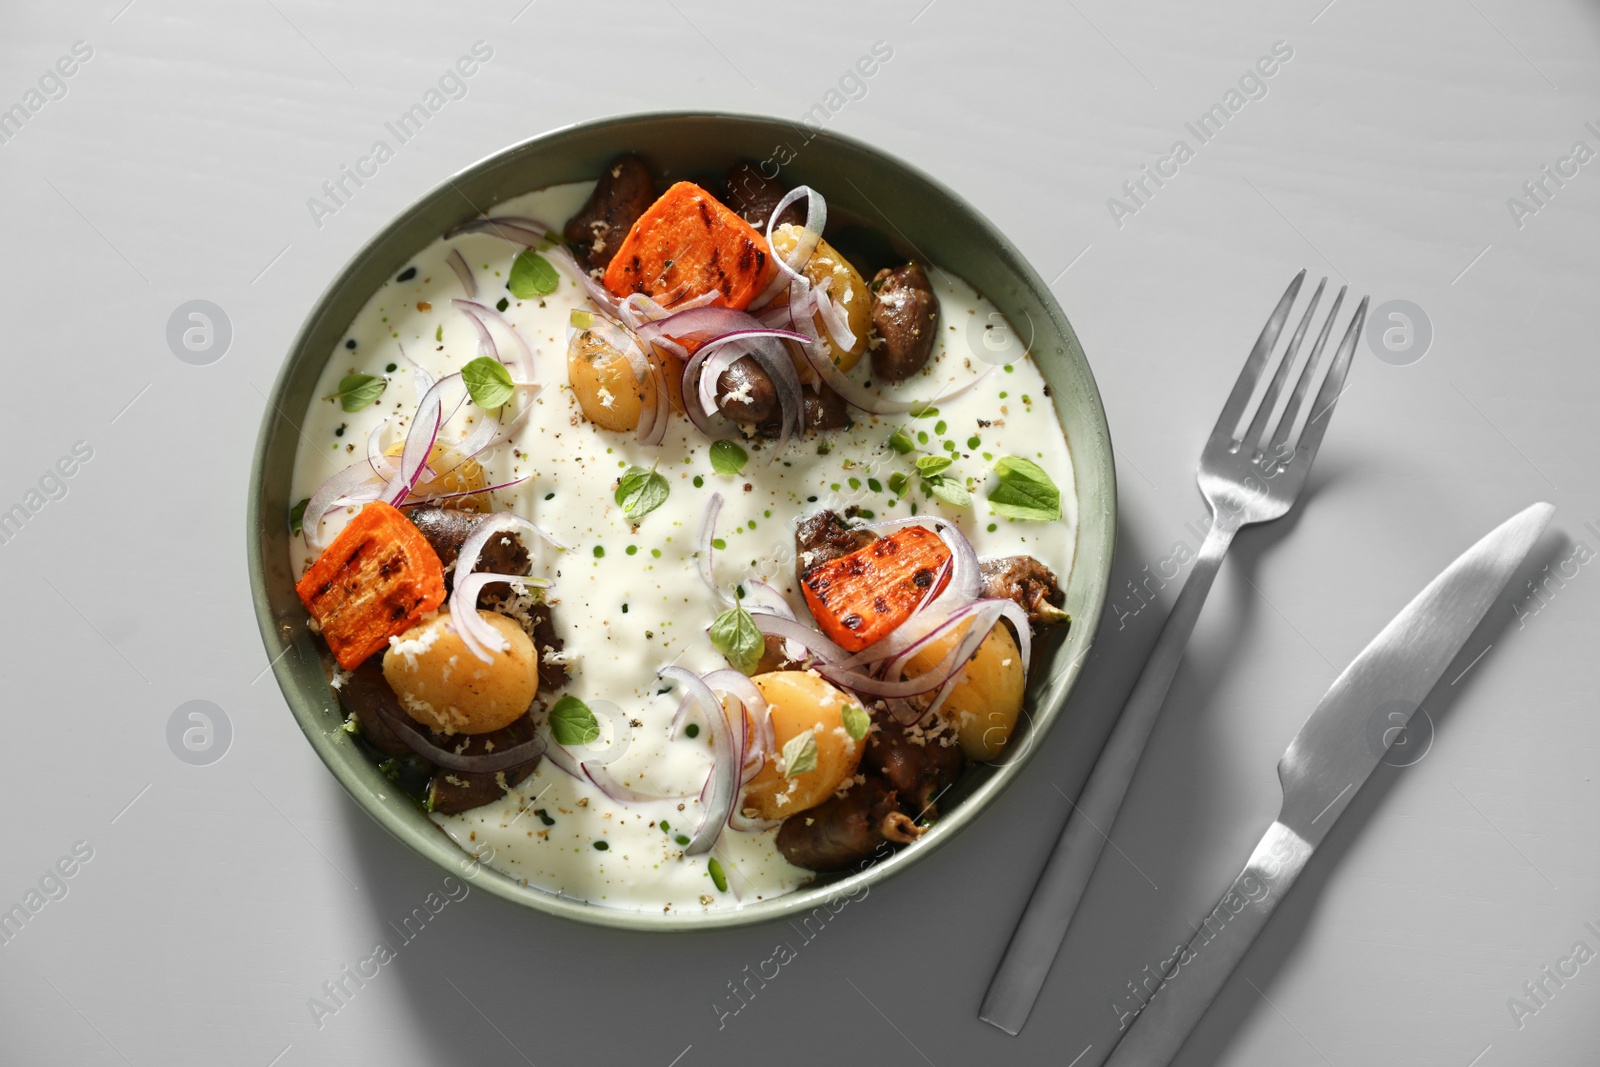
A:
{"x": 176, "y": 163}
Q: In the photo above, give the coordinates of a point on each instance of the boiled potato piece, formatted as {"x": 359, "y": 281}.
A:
{"x": 802, "y": 701}
{"x": 845, "y": 288}
{"x": 443, "y": 686}
{"x": 602, "y": 379}
{"x": 987, "y": 697}
{"x": 459, "y": 476}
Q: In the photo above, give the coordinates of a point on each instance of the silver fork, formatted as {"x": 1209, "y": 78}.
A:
{"x": 1246, "y": 478}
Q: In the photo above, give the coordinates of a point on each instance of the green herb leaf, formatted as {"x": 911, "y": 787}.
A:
{"x": 856, "y": 721}
{"x": 572, "y": 723}
{"x": 438, "y": 334}
{"x": 532, "y": 275}
{"x": 927, "y": 411}
{"x": 718, "y": 878}
{"x": 735, "y": 634}
{"x": 928, "y": 466}
{"x": 488, "y": 382}
{"x": 727, "y": 457}
{"x": 898, "y": 484}
{"x": 952, "y": 492}
{"x": 800, "y": 754}
{"x": 1025, "y": 491}
{"x": 357, "y": 391}
{"x": 297, "y": 516}
{"x": 641, "y": 491}
{"x": 580, "y": 320}
{"x": 901, "y": 442}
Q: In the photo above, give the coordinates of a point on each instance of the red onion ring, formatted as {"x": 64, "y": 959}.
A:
{"x": 723, "y": 782}
{"x": 822, "y": 648}
{"x": 518, "y": 229}
{"x": 894, "y": 686}
{"x": 619, "y": 791}
{"x": 420, "y": 438}
{"x": 355, "y": 483}
{"x": 473, "y": 630}
{"x": 708, "y": 531}
{"x": 522, "y": 355}
{"x": 463, "y": 610}
{"x": 458, "y": 263}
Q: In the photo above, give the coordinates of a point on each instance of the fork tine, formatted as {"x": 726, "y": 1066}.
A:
{"x": 1332, "y": 388}
{"x": 1233, "y": 410}
{"x": 1257, "y": 430}
{"x": 1297, "y": 399}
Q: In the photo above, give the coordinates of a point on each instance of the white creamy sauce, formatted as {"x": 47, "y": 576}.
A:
{"x": 628, "y": 601}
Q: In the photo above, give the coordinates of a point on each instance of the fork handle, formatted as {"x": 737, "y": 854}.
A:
{"x": 1055, "y": 898}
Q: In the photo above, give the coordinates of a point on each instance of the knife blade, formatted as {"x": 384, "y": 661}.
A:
{"x": 1323, "y": 768}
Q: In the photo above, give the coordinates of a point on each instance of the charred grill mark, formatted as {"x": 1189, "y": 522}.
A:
{"x": 880, "y": 605}
{"x": 923, "y": 578}
{"x": 705, "y": 213}
{"x": 852, "y": 621}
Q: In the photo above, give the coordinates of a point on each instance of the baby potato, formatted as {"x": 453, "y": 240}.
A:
{"x": 460, "y": 476}
{"x": 845, "y": 288}
{"x": 602, "y": 379}
{"x": 802, "y": 701}
{"x": 987, "y": 698}
{"x": 443, "y": 686}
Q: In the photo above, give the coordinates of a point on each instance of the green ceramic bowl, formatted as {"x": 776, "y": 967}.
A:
{"x": 913, "y": 211}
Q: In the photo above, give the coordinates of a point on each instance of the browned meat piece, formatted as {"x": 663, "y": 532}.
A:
{"x": 844, "y": 830}
{"x": 919, "y": 763}
{"x": 905, "y": 316}
{"x": 553, "y": 674}
{"x": 623, "y": 193}
{"x": 1027, "y": 582}
{"x": 745, "y": 392}
{"x": 824, "y": 536}
{"x": 448, "y": 529}
{"x": 451, "y": 792}
{"x": 361, "y": 693}
{"x": 752, "y": 195}
{"x": 826, "y": 410}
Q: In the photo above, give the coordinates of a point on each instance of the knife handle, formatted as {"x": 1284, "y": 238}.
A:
{"x": 1195, "y": 976}
{"x": 1055, "y": 898}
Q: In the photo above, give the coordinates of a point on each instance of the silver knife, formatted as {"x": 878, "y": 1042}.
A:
{"x": 1325, "y": 765}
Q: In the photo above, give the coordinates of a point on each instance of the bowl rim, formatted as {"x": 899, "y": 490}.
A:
{"x": 432, "y": 842}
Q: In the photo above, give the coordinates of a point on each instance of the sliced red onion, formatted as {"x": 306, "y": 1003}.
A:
{"x": 982, "y": 619}
{"x": 463, "y": 611}
{"x": 986, "y": 615}
{"x": 723, "y": 782}
{"x": 708, "y": 532}
{"x": 596, "y": 292}
{"x": 834, "y": 317}
{"x": 822, "y": 648}
{"x": 620, "y": 741}
{"x": 420, "y": 438}
{"x": 816, "y": 221}
{"x": 518, "y": 229}
{"x": 381, "y": 467}
{"x": 521, "y": 355}
{"x": 737, "y": 684}
{"x": 619, "y": 791}
{"x": 488, "y": 763}
{"x": 657, "y": 431}
{"x": 458, "y": 263}
{"x": 559, "y": 756}
{"x": 424, "y": 380}
{"x": 475, "y": 633}
{"x": 434, "y": 498}
{"x": 355, "y": 484}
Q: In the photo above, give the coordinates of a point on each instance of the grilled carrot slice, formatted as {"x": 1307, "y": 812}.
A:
{"x": 858, "y": 598}
{"x": 375, "y": 581}
{"x": 688, "y": 244}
